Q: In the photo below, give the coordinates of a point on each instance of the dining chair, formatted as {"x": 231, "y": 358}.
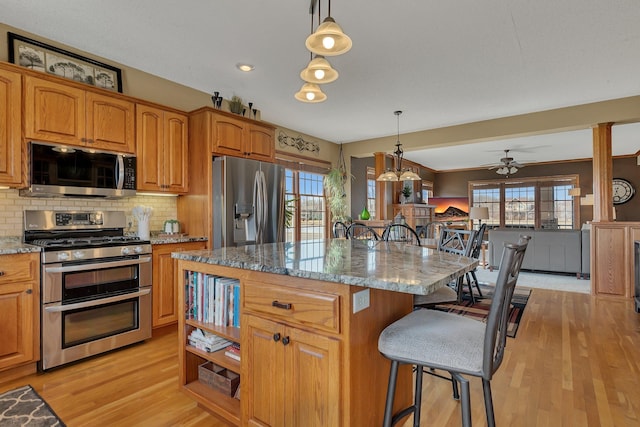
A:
{"x": 452, "y": 241}
{"x": 361, "y": 232}
{"x": 399, "y": 232}
{"x": 339, "y": 229}
{"x": 457, "y": 344}
{"x": 471, "y": 278}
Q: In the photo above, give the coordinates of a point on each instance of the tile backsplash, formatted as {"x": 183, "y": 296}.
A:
{"x": 12, "y": 207}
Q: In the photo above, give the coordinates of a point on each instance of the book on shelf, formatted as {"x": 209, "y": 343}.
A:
{"x": 205, "y": 341}
{"x": 233, "y": 351}
{"x": 212, "y": 299}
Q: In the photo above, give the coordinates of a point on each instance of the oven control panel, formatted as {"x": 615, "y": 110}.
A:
{"x": 79, "y": 218}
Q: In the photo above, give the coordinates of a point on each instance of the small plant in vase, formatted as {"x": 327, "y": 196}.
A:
{"x": 406, "y": 193}
{"x": 235, "y": 105}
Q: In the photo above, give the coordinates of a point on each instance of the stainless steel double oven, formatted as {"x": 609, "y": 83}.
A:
{"x": 95, "y": 284}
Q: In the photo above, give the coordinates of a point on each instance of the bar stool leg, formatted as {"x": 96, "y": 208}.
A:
{"x": 488, "y": 403}
{"x": 391, "y": 391}
{"x": 417, "y": 400}
{"x": 465, "y": 399}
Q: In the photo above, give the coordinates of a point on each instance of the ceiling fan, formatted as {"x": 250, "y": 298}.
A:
{"x": 507, "y": 165}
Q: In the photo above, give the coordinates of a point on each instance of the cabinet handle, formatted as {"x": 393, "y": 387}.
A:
{"x": 29, "y": 291}
{"x": 1, "y": 273}
{"x": 276, "y": 337}
{"x": 284, "y": 306}
{"x": 285, "y": 340}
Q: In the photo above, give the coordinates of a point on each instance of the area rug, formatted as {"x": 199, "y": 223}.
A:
{"x": 480, "y": 310}
{"x": 24, "y": 407}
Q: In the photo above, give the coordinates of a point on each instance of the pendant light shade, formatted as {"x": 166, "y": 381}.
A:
{"x": 310, "y": 92}
{"x": 329, "y": 39}
{"x": 319, "y": 71}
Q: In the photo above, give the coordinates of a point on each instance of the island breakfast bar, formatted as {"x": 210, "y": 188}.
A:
{"x": 310, "y": 314}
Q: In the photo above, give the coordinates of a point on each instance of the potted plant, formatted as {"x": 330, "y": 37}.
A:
{"x": 406, "y": 192}
{"x": 336, "y": 197}
{"x": 235, "y": 104}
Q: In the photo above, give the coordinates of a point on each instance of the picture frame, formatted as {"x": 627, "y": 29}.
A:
{"x": 45, "y": 58}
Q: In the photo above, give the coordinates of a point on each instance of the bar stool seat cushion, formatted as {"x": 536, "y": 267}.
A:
{"x": 441, "y": 295}
{"x": 436, "y": 339}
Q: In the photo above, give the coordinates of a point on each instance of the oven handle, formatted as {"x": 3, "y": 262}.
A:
{"x": 83, "y": 267}
{"x": 95, "y": 302}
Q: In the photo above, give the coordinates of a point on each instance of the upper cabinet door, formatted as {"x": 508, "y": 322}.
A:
{"x": 110, "y": 123}
{"x": 53, "y": 112}
{"x": 261, "y": 143}
{"x": 162, "y": 150}
{"x": 228, "y": 136}
{"x": 10, "y": 136}
{"x": 150, "y": 134}
{"x": 176, "y": 140}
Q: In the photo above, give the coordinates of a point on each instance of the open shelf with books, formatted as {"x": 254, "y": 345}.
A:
{"x": 209, "y": 324}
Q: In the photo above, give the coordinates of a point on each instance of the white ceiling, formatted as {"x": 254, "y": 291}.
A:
{"x": 442, "y": 62}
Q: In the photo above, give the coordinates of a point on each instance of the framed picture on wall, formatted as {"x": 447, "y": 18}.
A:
{"x": 45, "y": 58}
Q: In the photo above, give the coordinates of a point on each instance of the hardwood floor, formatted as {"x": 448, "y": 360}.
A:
{"x": 575, "y": 362}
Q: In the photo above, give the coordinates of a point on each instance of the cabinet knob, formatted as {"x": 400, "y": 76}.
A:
{"x": 276, "y": 337}
{"x": 285, "y": 340}
{"x": 1, "y": 273}
{"x": 29, "y": 291}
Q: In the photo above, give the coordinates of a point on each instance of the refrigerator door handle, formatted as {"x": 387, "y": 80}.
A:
{"x": 261, "y": 206}
{"x": 257, "y": 206}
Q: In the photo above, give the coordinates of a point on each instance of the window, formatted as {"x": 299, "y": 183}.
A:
{"x": 528, "y": 203}
{"x": 305, "y": 203}
{"x": 519, "y": 207}
{"x": 371, "y": 192}
{"x": 426, "y": 191}
{"x": 313, "y": 213}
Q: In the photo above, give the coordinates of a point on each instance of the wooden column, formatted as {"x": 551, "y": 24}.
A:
{"x": 381, "y": 188}
{"x": 602, "y": 173}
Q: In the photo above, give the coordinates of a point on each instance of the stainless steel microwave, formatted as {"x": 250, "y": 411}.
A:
{"x": 59, "y": 170}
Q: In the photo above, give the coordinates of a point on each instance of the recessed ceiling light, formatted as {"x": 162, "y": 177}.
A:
{"x": 245, "y": 67}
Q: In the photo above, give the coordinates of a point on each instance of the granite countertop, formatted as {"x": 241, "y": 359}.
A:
{"x": 375, "y": 264}
{"x": 167, "y": 239}
{"x": 14, "y": 245}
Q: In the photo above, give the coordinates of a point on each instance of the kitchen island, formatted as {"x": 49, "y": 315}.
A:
{"x": 310, "y": 314}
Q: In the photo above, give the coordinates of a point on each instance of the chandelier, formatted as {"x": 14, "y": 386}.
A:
{"x": 398, "y": 174}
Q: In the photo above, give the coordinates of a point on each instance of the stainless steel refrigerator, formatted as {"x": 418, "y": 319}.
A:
{"x": 248, "y": 202}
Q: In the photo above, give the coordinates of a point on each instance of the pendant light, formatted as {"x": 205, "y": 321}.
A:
{"x": 319, "y": 71}
{"x": 329, "y": 39}
{"x": 310, "y": 92}
{"x": 398, "y": 174}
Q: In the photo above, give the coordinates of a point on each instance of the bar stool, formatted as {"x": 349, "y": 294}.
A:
{"x": 453, "y": 343}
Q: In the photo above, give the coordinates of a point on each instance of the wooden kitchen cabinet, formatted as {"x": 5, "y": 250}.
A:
{"x": 67, "y": 114}
{"x": 162, "y": 151}
{"x": 19, "y": 309}
{"x": 306, "y": 358}
{"x": 231, "y": 135}
{"x": 289, "y": 375}
{"x": 10, "y": 131}
{"x": 165, "y": 281}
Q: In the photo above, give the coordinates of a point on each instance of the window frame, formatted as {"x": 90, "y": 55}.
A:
{"x": 572, "y": 180}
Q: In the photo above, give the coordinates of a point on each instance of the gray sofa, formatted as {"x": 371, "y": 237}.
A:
{"x": 561, "y": 251}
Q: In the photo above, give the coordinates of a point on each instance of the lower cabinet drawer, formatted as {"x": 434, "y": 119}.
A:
{"x": 316, "y": 309}
{"x": 18, "y": 267}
